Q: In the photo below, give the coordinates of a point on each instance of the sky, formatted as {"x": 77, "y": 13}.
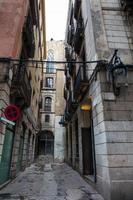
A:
{"x": 56, "y": 16}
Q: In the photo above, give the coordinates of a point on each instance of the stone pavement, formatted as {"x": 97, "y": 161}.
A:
{"x": 49, "y": 181}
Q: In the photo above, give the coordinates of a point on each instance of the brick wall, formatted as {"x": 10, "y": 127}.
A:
{"x": 12, "y": 16}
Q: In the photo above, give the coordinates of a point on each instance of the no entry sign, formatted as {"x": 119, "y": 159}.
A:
{"x": 12, "y": 112}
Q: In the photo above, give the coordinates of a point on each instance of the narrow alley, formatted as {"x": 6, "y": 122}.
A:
{"x": 50, "y": 181}
{"x": 66, "y": 100}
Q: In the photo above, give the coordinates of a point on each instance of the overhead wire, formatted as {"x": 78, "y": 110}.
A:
{"x": 31, "y": 62}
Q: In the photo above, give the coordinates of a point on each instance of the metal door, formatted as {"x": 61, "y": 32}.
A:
{"x": 6, "y": 155}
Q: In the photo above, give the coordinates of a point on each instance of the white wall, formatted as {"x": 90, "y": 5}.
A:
{"x": 59, "y": 141}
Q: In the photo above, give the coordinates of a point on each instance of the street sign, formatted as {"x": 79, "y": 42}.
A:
{"x": 6, "y": 120}
{"x": 12, "y": 112}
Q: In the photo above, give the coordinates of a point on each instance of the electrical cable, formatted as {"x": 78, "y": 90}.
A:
{"x": 29, "y": 62}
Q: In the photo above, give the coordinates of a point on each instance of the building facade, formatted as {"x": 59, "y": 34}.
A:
{"x": 22, "y": 37}
{"x": 98, "y": 115}
{"x": 52, "y": 134}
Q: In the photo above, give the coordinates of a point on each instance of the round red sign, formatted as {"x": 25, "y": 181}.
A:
{"x": 12, "y": 112}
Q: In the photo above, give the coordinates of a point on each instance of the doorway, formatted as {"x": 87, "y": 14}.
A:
{"x": 88, "y": 151}
{"x": 5, "y": 163}
{"x": 46, "y": 143}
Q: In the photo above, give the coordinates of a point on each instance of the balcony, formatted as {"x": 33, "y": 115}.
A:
{"x": 28, "y": 38}
{"x": 70, "y": 56}
{"x": 72, "y": 104}
{"x": 77, "y": 5}
{"x": 68, "y": 78}
{"x": 68, "y": 53}
{"x": 81, "y": 83}
{"x": 72, "y": 65}
{"x": 21, "y": 88}
{"x": 70, "y": 35}
{"x": 79, "y": 35}
{"x": 67, "y": 116}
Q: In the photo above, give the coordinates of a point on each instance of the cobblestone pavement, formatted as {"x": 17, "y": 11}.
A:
{"x": 49, "y": 181}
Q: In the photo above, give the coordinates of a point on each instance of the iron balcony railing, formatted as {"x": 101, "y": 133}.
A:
{"x": 72, "y": 104}
{"x": 70, "y": 56}
{"x": 68, "y": 78}
{"x": 79, "y": 34}
{"x": 68, "y": 53}
{"x": 77, "y": 5}
{"x": 70, "y": 35}
{"x": 81, "y": 81}
{"x": 21, "y": 87}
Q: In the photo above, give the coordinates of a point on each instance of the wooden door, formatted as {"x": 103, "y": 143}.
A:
{"x": 87, "y": 152}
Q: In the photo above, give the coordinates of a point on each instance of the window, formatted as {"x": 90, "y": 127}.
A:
{"x": 50, "y": 66}
{"x": 47, "y": 106}
{"x": 49, "y": 82}
{"x": 47, "y": 118}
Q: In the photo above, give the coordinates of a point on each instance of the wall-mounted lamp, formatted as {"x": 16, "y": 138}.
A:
{"x": 117, "y": 73}
{"x": 87, "y": 105}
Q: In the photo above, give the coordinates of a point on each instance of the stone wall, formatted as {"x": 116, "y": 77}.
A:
{"x": 60, "y": 101}
{"x": 11, "y": 23}
{"x": 116, "y": 137}
{"x": 59, "y": 141}
{"x": 107, "y": 28}
{"x": 28, "y": 145}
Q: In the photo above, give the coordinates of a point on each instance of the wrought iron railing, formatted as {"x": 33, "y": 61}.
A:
{"x": 81, "y": 81}
{"x": 70, "y": 34}
{"x": 79, "y": 35}
{"x": 21, "y": 86}
{"x": 81, "y": 76}
{"x": 72, "y": 104}
{"x": 76, "y": 8}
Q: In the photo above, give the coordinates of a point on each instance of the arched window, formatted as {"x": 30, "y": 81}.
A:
{"x": 48, "y": 102}
{"x": 47, "y": 118}
{"x": 49, "y": 82}
{"x": 50, "y": 66}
